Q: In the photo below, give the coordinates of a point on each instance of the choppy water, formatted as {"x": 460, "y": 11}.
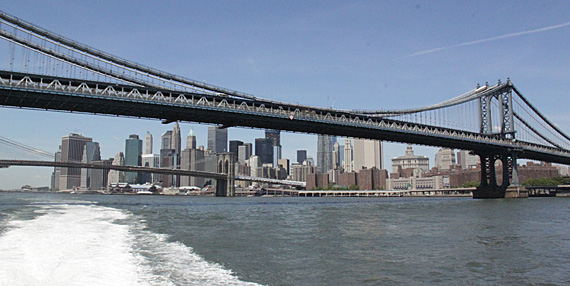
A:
{"x": 48, "y": 239}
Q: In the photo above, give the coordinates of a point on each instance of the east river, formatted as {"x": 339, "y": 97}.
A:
{"x": 50, "y": 239}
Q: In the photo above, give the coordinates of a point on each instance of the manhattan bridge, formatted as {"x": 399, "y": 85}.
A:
{"x": 45, "y": 71}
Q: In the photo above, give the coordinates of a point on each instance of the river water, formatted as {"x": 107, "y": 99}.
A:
{"x": 49, "y": 239}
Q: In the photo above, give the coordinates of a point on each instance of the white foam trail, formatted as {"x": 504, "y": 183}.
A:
{"x": 70, "y": 245}
{"x": 85, "y": 245}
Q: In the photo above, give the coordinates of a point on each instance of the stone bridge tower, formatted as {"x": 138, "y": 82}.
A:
{"x": 226, "y": 165}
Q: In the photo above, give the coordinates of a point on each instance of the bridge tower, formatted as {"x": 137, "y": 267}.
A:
{"x": 226, "y": 165}
{"x": 489, "y": 187}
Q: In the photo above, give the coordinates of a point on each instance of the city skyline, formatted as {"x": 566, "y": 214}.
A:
{"x": 361, "y": 55}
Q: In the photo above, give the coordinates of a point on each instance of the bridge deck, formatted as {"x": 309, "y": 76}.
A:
{"x": 104, "y": 98}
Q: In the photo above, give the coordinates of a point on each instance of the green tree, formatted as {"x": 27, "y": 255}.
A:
{"x": 471, "y": 184}
{"x": 554, "y": 181}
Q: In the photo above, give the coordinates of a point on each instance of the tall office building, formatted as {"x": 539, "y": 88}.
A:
{"x": 168, "y": 157}
{"x": 72, "y": 151}
{"x": 254, "y": 164}
{"x": 99, "y": 177}
{"x": 367, "y": 154}
{"x": 91, "y": 152}
{"x": 166, "y": 140}
{"x": 234, "y": 145}
{"x": 192, "y": 159}
{"x": 152, "y": 161}
{"x": 244, "y": 152}
{"x": 336, "y": 155}
{"x": 217, "y": 139}
{"x": 176, "y": 139}
{"x": 191, "y": 140}
{"x": 176, "y": 145}
{"x": 56, "y": 171}
{"x": 285, "y": 164}
{"x": 276, "y": 155}
{"x": 347, "y": 163}
{"x": 148, "y": 143}
{"x": 301, "y": 156}
{"x": 167, "y": 160}
{"x": 324, "y": 153}
{"x": 116, "y": 176}
{"x": 133, "y": 157}
{"x": 274, "y": 136}
{"x": 445, "y": 159}
{"x": 467, "y": 160}
{"x": 264, "y": 150}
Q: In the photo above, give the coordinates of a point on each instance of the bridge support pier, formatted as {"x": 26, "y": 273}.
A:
{"x": 489, "y": 188}
{"x": 226, "y": 165}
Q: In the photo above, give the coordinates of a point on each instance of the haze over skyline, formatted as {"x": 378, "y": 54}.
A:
{"x": 350, "y": 55}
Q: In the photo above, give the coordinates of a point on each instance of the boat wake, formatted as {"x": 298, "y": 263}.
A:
{"x": 86, "y": 244}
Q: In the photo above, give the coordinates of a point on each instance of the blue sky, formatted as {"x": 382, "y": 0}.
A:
{"x": 348, "y": 54}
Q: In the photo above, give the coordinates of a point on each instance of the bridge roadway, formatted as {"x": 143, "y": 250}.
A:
{"x": 210, "y": 175}
{"x": 50, "y": 93}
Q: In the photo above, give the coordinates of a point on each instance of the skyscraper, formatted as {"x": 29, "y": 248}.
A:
{"x": 276, "y": 154}
{"x": 244, "y": 152}
{"x": 234, "y": 145}
{"x": 324, "y": 153}
{"x": 264, "y": 150}
{"x": 99, "y": 177}
{"x": 176, "y": 142}
{"x": 348, "y": 167}
{"x": 56, "y": 171}
{"x": 176, "y": 145}
{"x": 217, "y": 139}
{"x": 72, "y": 151}
{"x": 148, "y": 143}
{"x": 445, "y": 159}
{"x": 274, "y": 136}
{"x": 192, "y": 159}
{"x": 301, "y": 156}
{"x": 254, "y": 164}
{"x": 166, "y": 140}
{"x": 367, "y": 154}
{"x": 467, "y": 160}
{"x": 167, "y": 157}
{"x": 336, "y": 155}
{"x": 91, "y": 152}
{"x": 133, "y": 152}
{"x": 153, "y": 161}
{"x": 116, "y": 176}
{"x": 191, "y": 140}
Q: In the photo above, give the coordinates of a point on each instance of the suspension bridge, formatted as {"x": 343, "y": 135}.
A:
{"x": 47, "y": 71}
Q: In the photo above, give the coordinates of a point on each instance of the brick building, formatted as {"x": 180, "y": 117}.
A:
{"x": 348, "y": 179}
{"x": 317, "y": 180}
{"x": 372, "y": 179}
